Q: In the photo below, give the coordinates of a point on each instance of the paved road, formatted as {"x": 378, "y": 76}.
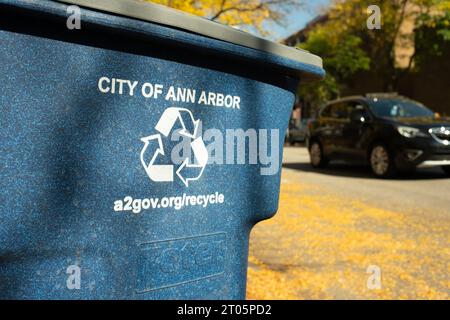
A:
{"x": 338, "y": 228}
{"x": 427, "y": 191}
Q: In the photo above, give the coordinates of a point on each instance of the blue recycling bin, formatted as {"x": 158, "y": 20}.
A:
{"x": 139, "y": 146}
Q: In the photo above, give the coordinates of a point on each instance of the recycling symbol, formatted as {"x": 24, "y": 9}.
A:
{"x": 187, "y": 171}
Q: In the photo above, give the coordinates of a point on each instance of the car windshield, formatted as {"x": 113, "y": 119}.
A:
{"x": 399, "y": 108}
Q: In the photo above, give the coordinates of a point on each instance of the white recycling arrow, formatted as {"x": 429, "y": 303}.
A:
{"x": 201, "y": 155}
{"x": 170, "y": 116}
{"x": 159, "y": 173}
{"x": 187, "y": 171}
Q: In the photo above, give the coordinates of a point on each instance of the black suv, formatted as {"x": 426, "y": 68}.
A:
{"x": 390, "y": 132}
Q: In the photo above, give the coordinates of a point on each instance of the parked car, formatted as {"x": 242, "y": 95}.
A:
{"x": 297, "y": 133}
{"x": 390, "y": 132}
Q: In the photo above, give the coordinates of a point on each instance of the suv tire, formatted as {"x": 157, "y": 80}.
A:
{"x": 316, "y": 155}
{"x": 381, "y": 161}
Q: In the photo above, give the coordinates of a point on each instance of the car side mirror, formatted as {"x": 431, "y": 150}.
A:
{"x": 358, "y": 116}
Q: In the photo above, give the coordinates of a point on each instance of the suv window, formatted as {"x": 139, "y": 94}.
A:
{"x": 336, "y": 111}
{"x": 351, "y": 106}
{"x": 341, "y": 110}
{"x": 400, "y": 108}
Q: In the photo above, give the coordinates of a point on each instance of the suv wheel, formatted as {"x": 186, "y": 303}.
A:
{"x": 446, "y": 169}
{"x": 316, "y": 155}
{"x": 381, "y": 161}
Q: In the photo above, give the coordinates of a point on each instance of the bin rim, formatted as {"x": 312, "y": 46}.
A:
{"x": 156, "y": 13}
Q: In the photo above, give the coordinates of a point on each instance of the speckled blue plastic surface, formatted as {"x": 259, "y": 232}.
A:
{"x": 68, "y": 152}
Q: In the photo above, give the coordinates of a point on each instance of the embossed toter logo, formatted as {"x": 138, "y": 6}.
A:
{"x": 169, "y": 263}
{"x": 187, "y": 171}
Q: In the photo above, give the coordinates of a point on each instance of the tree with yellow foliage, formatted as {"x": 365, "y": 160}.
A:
{"x": 238, "y": 13}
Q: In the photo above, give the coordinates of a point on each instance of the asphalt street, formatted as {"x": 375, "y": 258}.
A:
{"x": 427, "y": 191}
{"x": 335, "y": 226}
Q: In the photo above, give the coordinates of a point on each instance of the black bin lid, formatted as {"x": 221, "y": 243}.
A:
{"x": 162, "y": 15}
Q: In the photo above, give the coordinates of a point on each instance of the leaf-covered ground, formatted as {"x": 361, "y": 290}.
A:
{"x": 320, "y": 244}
